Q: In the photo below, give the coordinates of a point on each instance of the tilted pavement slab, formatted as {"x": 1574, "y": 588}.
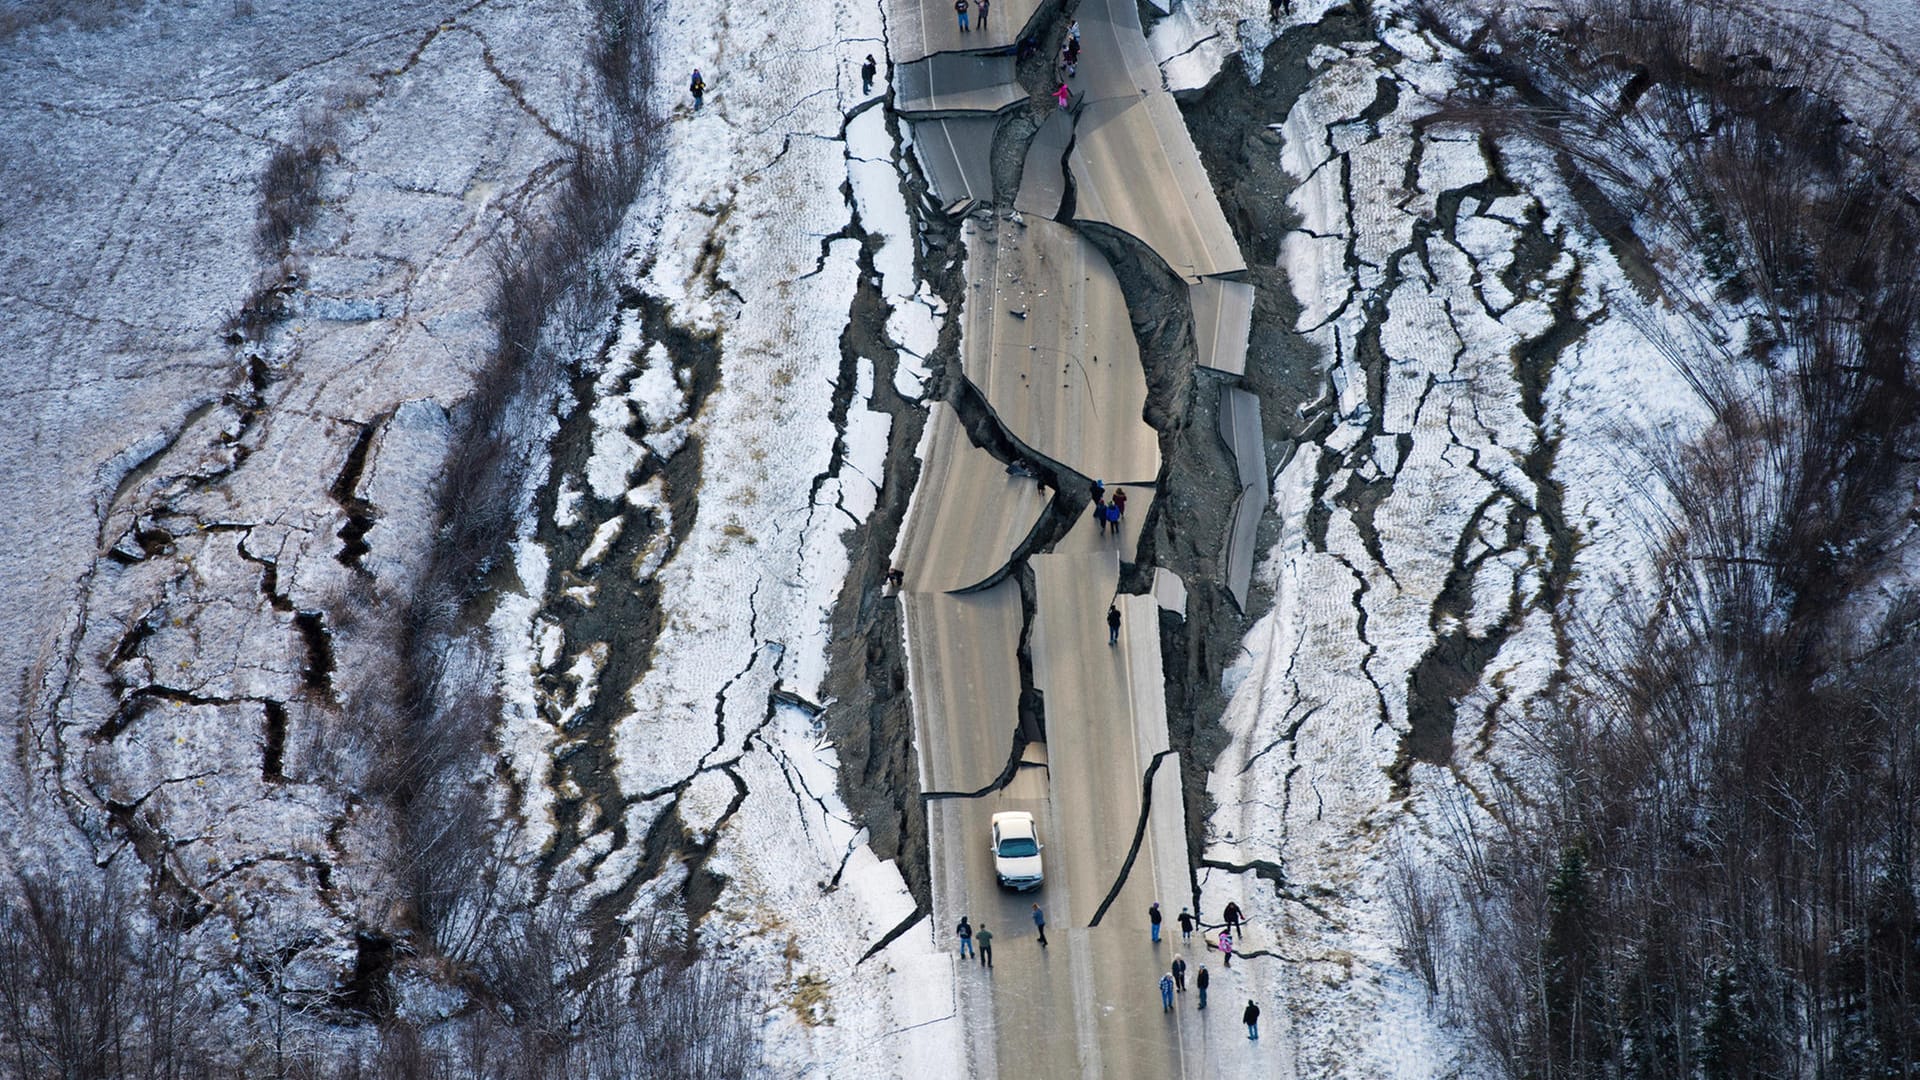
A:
{"x": 1169, "y": 591}
{"x": 1164, "y": 845}
{"x": 1135, "y": 169}
{"x": 1240, "y": 430}
{"x": 956, "y": 152}
{"x": 1222, "y": 323}
{"x": 1043, "y": 176}
{"x": 964, "y": 678}
{"x": 955, "y": 83}
{"x": 1115, "y": 61}
{"x": 967, "y": 515}
{"x": 1133, "y": 162}
{"x": 1045, "y": 336}
{"x": 917, "y": 28}
{"x": 1097, "y": 775}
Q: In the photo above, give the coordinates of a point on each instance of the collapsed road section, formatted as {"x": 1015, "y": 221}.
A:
{"x": 1036, "y": 685}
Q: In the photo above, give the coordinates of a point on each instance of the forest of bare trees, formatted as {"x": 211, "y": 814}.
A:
{"x": 94, "y": 988}
{"x": 1717, "y": 879}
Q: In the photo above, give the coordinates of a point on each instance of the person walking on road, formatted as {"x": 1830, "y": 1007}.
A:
{"x": 1071, "y": 54}
{"x": 1113, "y": 518}
{"x": 697, "y": 86}
{"x": 1251, "y": 1018}
{"x": 982, "y": 6}
{"x": 1062, "y": 95}
{"x": 1113, "y": 638}
{"x": 1179, "y": 973}
{"x": 1226, "y": 949}
{"x": 1186, "y": 926}
{"x": 984, "y": 938}
{"x": 960, "y": 9}
{"x": 1200, "y": 980}
{"x": 1100, "y": 517}
{"x": 1232, "y": 915}
{"x": 1153, "y": 917}
{"x": 1166, "y": 992}
{"x": 965, "y": 932}
{"x": 867, "y": 71}
{"x": 1040, "y": 924}
{"x": 1120, "y": 501}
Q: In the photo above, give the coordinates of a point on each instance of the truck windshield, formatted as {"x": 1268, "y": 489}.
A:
{"x": 1018, "y": 847}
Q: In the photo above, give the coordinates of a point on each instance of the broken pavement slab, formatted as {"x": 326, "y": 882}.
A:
{"x": 919, "y": 28}
{"x": 964, "y": 676}
{"x": 1222, "y": 323}
{"x": 1162, "y": 199}
{"x": 956, "y": 153}
{"x": 1240, "y": 430}
{"x": 1114, "y": 59}
{"x": 1105, "y": 718}
{"x": 1169, "y": 591}
{"x": 1047, "y": 340}
{"x": 968, "y": 514}
{"x": 949, "y": 84}
{"x": 1043, "y": 178}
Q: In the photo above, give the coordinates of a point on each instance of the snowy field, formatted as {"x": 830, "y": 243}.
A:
{"x": 196, "y": 499}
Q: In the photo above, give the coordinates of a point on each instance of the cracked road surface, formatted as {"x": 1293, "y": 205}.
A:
{"x": 1134, "y": 164}
{"x": 1050, "y": 346}
{"x": 917, "y": 28}
{"x": 1048, "y": 343}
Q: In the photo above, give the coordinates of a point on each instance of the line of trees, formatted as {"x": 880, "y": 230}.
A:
{"x": 92, "y": 990}
{"x": 1717, "y": 878}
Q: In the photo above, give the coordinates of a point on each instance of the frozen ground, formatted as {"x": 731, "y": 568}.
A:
{"x": 752, "y": 244}
{"x": 190, "y": 506}
{"x": 1489, "y": 371}
{"x": 188, "y": 502}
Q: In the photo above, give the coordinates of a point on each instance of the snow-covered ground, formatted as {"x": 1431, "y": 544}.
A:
{"x": 178, "y": 489}
{"x": 1457, "y": 376}
{"x": 187, "y": 501}
{"x": 752, "y": 238}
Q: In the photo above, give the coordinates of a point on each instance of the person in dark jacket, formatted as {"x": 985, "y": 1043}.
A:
{"x": 1040, "y": 924}
{"x": 1200, "y": 981}
{"x": 1186, "y": 925}
{"x": 960, "y": 9}
{"x": 1232, "y": 915}
{"x": 1179, "y": 973}
{"x": 965, "y": 933}
{"x": 698, "y": 88}
{"x": 1251, "y": 1018}
{"x": 1113, "y": 638}
{"x": 867, "y": 71}
{"x": 1153, "y": 911}
{"x": 983, "y": 937}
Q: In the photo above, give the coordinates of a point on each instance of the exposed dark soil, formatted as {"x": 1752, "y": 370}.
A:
{"x": 870, "y": 719}
{"x": 1187, "y": 524}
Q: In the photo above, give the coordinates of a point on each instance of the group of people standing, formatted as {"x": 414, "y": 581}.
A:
{"x": 980, "y": 10}
{"x": 978, "y": 942}
{"x": 1107, "y": 513}
{"x": 1175, "y": 979}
